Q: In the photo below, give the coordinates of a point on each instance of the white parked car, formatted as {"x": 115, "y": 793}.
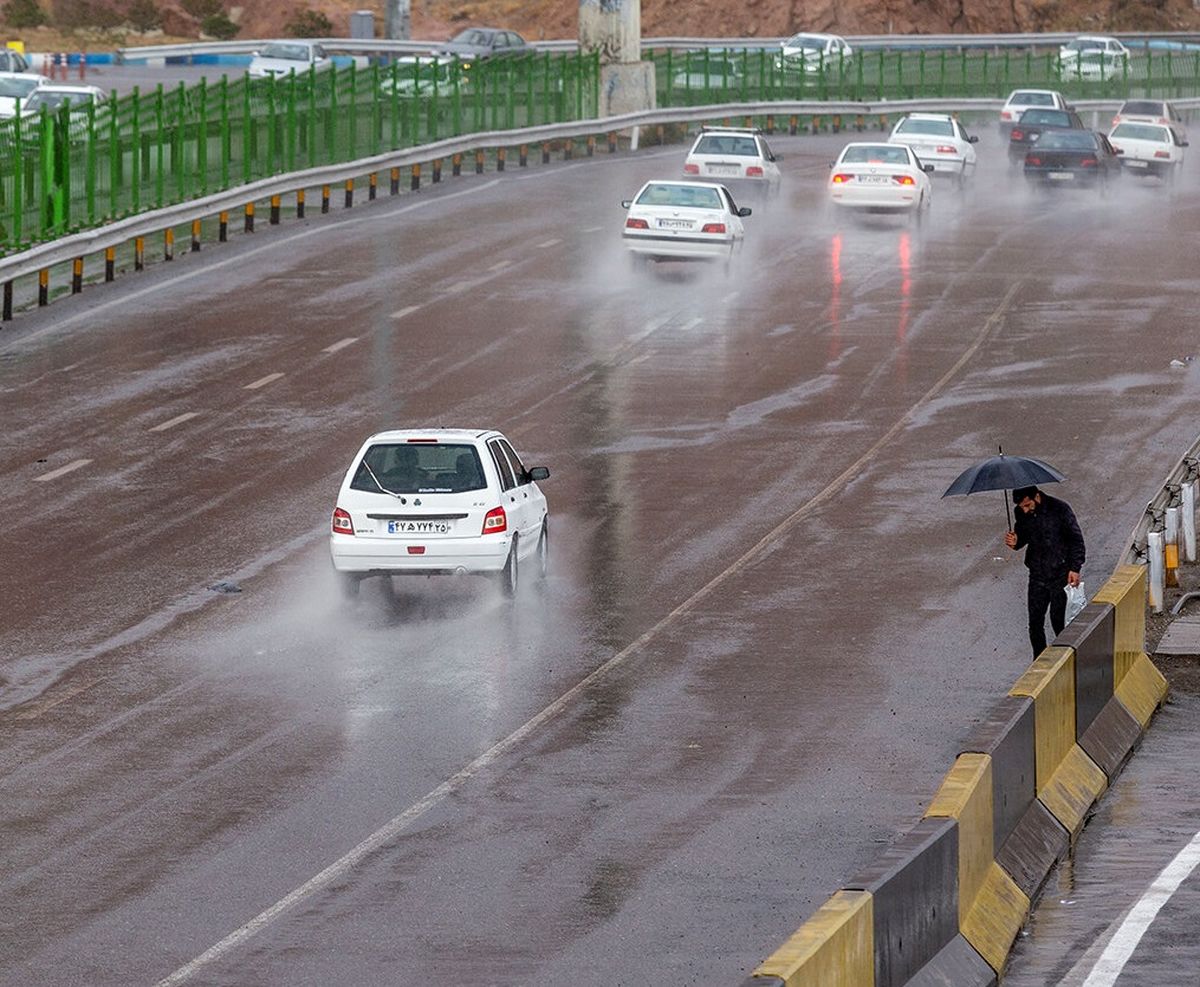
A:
{"x": 881, "y": 178}
{"x": 1148, "y": 148}
{"x": 15, "y": 88}
{"x": 422, "y": 75}
{"x": 939, "y": 140}
{"x": 1019, "y": 100}
{"x": 683, "y": 221}
{"x": 281, "y": 58}
{"x": 738, "y": 157}
{"x": 1112, "y": 51}
{"x": 813, "y": 52}
{"x": 439, "y": 501}
{"x": 1152, "y": 111}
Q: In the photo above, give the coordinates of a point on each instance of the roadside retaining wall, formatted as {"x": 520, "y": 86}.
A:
{"x": 942, "y": 906}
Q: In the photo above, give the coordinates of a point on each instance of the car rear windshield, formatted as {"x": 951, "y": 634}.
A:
{"x": 1142, "y": 132}
{"x": 1142, "y": 108}
{"x": 1031, "y": 99}
{"x": 805, "y": 41}
{"x": 416, "y": 468}
{"x": 724, "y": 144}
{"x": 943, "y": 128}
{"x": 1049, "y": 118}
{"x": 1068, "y": 139}
{"x": 875, "y": 154}
{"x": 293, "y": 53}
{"x": 686, "y": 196}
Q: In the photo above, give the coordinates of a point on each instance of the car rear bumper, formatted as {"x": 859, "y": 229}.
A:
{"x": 1056, "y": 176}
{"x": 1144, "y": 166}
{"x": 356, "y": 554}
{"x": 679, "y": 248}
{"x": 873, "y": 200}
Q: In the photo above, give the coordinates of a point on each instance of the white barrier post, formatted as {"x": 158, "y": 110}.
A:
{"x": 1154, "y": 549}
{"x": 1189, "y": 520}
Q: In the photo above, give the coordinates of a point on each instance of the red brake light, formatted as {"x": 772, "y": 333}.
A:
{"x": 1163, "y": 120}
{"x": 428, "y": 442}
{"x": 1162, "y": 154}
{"x": 691, "y": 169}
{"x": 840, "y": 179}
{"x": 1005, "y": 115}
{"x": 1089, "y": 163}
{"x": 754, "y": 171}
{"x": 1017, "y": 134}
{"x": 416, "y": 549}
{"x": 1116, "y": 120}
{"x": 946, "y": 149}
{"x": 713, "y": 228}
{"x": 904, "y": 179}
{"x": 636, "y": 224}
{"x": 495, "y": 521}
{"x": 342, "y": 525}
{"x": 1032, "y": 160}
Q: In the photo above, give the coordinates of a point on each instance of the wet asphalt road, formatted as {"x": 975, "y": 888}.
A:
{"x": 764, "y": 638}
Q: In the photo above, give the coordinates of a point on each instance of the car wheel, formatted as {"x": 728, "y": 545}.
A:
{"x": 919, "y": 212}
{"x": 510, "y": 577}
{"x": 348, "y": 585}
{"x": 543, "y": 551}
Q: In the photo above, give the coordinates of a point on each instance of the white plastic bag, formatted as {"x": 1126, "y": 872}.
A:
{"x": 1076, "y": 600}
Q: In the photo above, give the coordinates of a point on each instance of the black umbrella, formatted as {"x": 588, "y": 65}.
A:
{"x": 1003, "y": 473}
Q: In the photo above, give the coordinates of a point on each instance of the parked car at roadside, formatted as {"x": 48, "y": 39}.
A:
{"x": 280, "y": 59}
{"x": 475, "y": 44}
{"x": 810, "y": 52}
{"x": 15, "y": 88}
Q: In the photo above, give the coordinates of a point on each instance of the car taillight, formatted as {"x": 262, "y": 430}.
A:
{"x": 342, "y": 525}
{"x": 1163, "y": 120}
{"x": 495, "y": 521}
{"x": 1162, "y": 154}
{"x": 713, "y": 228}
{"x": 1089, "y": 163}
{"x": 1032, "y": 160}
{"x": 754, "y": 171}
{"x": 946, "y": 149}
{"x": 840, "y": 179}
{"x": 691, "y": 169}
{"x": 1017, "y": 134}
{"x": 904, "y": 180}
{"x": 636, "y": 224}
{"x": 1116, "y": 120}
{"x": 1005, "y": 115}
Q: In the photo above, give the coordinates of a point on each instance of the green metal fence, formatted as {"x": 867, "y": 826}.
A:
{"x": 722, "y": 75}
{"x": 81, "y": 166}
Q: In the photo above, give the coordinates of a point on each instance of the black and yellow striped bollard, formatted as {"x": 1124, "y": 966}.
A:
{"x": 415, "y": 182}
{"x": 500, "y": 154}
{"x": 325, "y": 194}
{"x": 110, "y": 263}
{"x": 168, "y": 244}
{"x": 195, "y": 236}
{"x": 437, "y": 171}
{"x": 299, "y": 203}
{"x": 456, "y": 164}
{"x": 222, "y": 226}
{"x": 276, "y": 208}
{"x": 43, "y": 287}
{"x": 76, "y": 275}
{"x": 248, "y": 225}
{"x": 479, "y": 162}
{"x": 139, "y": 253}
{"x": 349, "y": 200}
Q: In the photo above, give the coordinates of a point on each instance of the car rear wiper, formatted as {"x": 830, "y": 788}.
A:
{"x": 367, "y": 467}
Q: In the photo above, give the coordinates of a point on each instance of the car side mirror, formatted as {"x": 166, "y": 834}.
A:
{"x": 539, "y": 473}
{"x": 626, "y": 203}
{"x": 745, "y": 211}
{"x": 973, "y": 140}
{"x": 928, "y": 169}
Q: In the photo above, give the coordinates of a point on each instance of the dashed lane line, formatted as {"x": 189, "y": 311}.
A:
{"x": 262, "y": 382}
{"x": 553, "y": 242}
{"x": 187, "y": 416}
{"x": 71, "y": 467}
{"x": 500, "y": 265}
{"x": 407, "y": 310}
{"x": 341, "y": 344}
{"x": 344, "y": 865}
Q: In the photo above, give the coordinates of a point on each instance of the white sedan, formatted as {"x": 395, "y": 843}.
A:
{"x": 282, "y": 58}
{"x": 813, "y": 52}
{"x": 881, "y": 178}
{"x": 939, "y": 140}
{"x": 733, "y": 155}
{"x": 438, "y": 502}
{"x": 15, "y": 87}
{"x": 683, "y": 221}
{"x": 1148, "y": 148}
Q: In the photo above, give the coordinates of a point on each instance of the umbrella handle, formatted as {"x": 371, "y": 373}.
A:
{"x": 1007, "y": 512}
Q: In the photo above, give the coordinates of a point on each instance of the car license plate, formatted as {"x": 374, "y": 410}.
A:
{"x": 674, "y": 224}
{"x": 1138, "y": 164}
{"x": 1062, "y": 176}
{"x": 418, "y": 527}
{"x": 724, "y": 169}
{"x": 873, "y": 179}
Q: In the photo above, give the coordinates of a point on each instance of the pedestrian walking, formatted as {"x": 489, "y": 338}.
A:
{"x": 1054, "y": 554}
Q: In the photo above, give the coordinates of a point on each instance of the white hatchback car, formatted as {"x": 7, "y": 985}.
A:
{"x": 810, "y": 52}
{"x": 439, "y": 501}
{"x": 881, "y": 178}
{"x": 683, "y": 221}
{"x": 1019, "y": 100}
{"x": 735, "y": 156}
{"x": 940, "y": 140}
{"x": 1148, "y": 149}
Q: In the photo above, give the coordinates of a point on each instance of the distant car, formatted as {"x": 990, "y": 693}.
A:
{"x": 12, "y": 60}
{"x": 1072, "y": 157}
{"x": 881, "y": 178}
{"x": 1148, "y": 148}
{"x": 1112, "y": 50}
{"x": 478, "y": 43}
{"x": 280, "y": 59}
{"x": 739, "y": 157}
{"x": 809, "y": 52}
{"x": 53, "y": 98}
{"x": 1151, "y": 111}
{"x": 15, "y": 87}
{"x": 685, "y": 221}
{"x": 1020, "y": 100}
{"x": 420, "y": 75}
{"x": 940, "y": 140}
{"x": 1033, "y": 123}
{"x": 707, "y": 68}
{"x": 439, "y": 501}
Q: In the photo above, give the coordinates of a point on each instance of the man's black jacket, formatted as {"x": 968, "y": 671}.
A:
{"x": 1055, "y": 543}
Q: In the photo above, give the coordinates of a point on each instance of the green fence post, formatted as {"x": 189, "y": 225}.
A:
{"x": 46, "y": 157}
{"x": 135, "y": 167}
{"x": 353, "y": 111}
{"x": 290, "y": 125}
{"x": 456, "y": 79}
{"x": 331, "y": 119}
{"x": 179, "y": 145}
{"x": 18, "y": 196}
{"x": 310, "y": 146}
{"x": 435, "y": 106}
{"x": 395, "y": 104}
{"x": 273, "y": 124}
{"x": 159, "y": 157}
{"x": 376, "y": 111}
{"x": 202, "y": 138}
{"x": 226, "y": 133}
{"x": 669, "y": 81}
{"x": 249, "y": 136}
{"x": 115, "y": 157}
{"x": 89, "y": 173}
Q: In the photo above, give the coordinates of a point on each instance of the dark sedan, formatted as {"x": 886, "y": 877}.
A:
{"x": 1033, "y": 123}
{"x": 477, "y": 43}
{"x": 1072, "y": 157}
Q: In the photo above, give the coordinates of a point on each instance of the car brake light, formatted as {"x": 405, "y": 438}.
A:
{"x": 946, "y": 149}
{"x": 636, "y": 224}
{"x": 1162, "y": 154}
{"x": 495, "y": 521}
{"x": 1005, "y": 115}
{"x": 1031, "y": 160}
{"x": 1163, "y": 120}
{"x": 1089, "y": 163}
{"x": 713, "y": 228}
{"x": 342, "y": 525}
{"x": 840, "y": 179}
{"x": 754, "y": 171}
{"x": 904, "y": 179}
{"x": 1116, "y": 120}
{"x": 1017, "y": 135}
{"x": 691, "y": 169}
{"x": 416, "y": 549}
{"x": 427, "y": 442}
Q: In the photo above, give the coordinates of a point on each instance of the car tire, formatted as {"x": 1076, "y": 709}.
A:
{"x": 510, "y": 575}
{"x": 543, "y": 552}
{"x": 348, "y": 585}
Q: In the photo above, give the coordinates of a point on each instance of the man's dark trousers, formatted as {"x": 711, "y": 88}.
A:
{"x": 1045, "y": 594}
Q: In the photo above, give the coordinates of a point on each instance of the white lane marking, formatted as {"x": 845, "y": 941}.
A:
{"x": 1125, "y": 940}
{"x": 262, "y": 382}
{"x": 187, "y": 416}
{"x": 457, "y": 288}
{"x": 341, "y": 344}
{"x": 407, "y": 310}
{"x": 62, "y": 471}
{"x": 691, "y": 324}
{"x": 549, "y": 243}
{"x": 389, "y": 830}
{"x": 592, "y": 229}
{"x": 500, "y": 265}
{"x": 731, "y": 297}
{"x": 241, "y": 257}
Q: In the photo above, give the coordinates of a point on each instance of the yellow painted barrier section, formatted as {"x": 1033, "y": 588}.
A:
{"x": 1050, "y": 683}
{"x": 1126, "y": 591}
{"x": 991, "y": 908}
{"x": 834, "y": 948}
{"x": 1142, "y": 690}
{"x": 1073, "y": 789}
